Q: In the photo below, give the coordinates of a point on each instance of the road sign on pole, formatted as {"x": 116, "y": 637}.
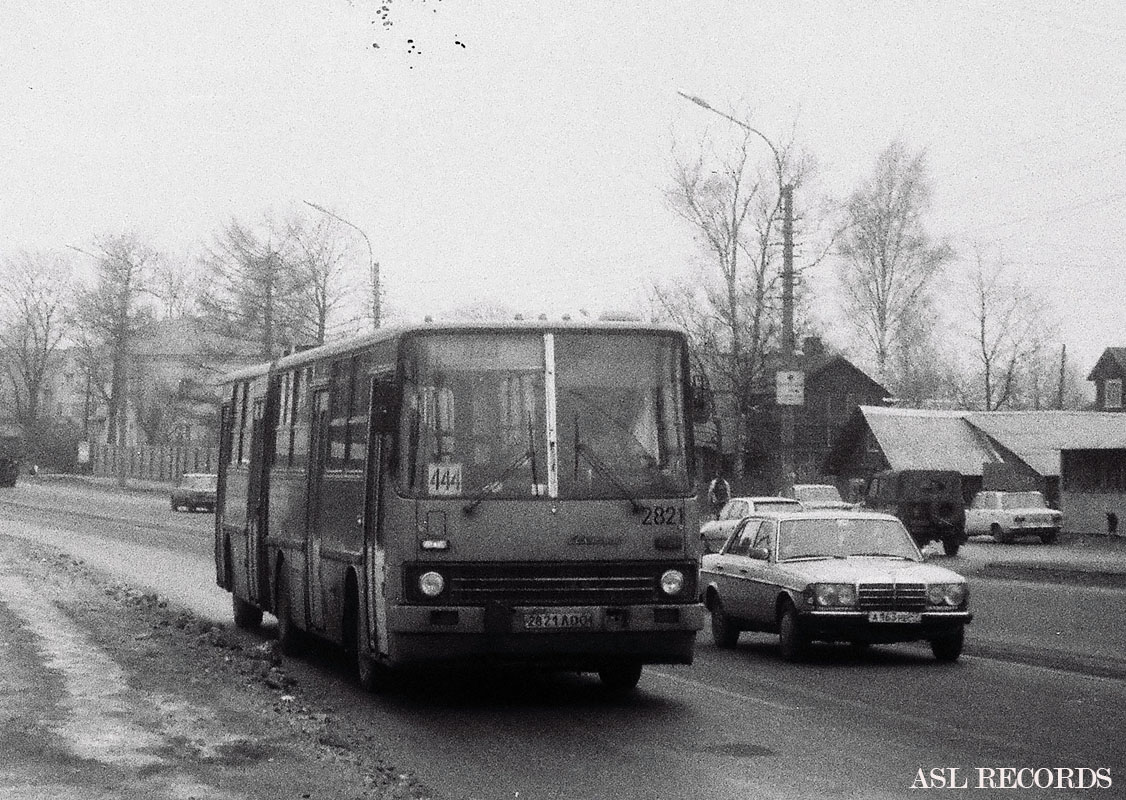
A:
{"x": 789, "y": 387}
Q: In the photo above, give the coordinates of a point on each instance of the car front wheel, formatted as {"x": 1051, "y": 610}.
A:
{"x": 792, "y": 640}
{"x": 947, "y": 649}
{"x": 725, "y": 633}
{"x": 1048, "y": 538}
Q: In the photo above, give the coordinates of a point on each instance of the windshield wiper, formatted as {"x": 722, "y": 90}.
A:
{"x": 488, "y": 489}
{"x": 812, "y": 557}
{"x": 883, "y": 555}
{"x": 602, "y": 469}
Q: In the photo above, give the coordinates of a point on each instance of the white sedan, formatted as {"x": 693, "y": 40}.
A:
{"x": 832, "y": 576}
{"x": 1006, "y": 515}
{"x": 715, "y": 532}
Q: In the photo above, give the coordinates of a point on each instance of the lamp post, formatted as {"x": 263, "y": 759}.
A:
{"x": 373, "y": 264}
{"x": 786, "y": 400}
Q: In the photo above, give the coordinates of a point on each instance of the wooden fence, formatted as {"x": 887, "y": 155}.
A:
{"x": 164, "y": 463}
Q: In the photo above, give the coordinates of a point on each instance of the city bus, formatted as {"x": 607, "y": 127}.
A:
{"x": 448, "y": 494}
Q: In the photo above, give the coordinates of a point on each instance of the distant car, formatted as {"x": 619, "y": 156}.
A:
{"x": 1007, "y": 515}
{"x": 195, "y": 492}
{"x": 821, "y": 495}
{"x": 850, "y": 576}
{"x": 715, "y": 532}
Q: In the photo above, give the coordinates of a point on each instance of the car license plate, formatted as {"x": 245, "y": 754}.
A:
{"x": 895, "y": 616}
{"x": 558, "y": 620}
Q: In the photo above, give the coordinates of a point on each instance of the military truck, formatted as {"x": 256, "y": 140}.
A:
{"x": 927, "y": 501}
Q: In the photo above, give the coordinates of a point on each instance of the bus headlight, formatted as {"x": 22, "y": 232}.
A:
{"x": 672, "y": 582}
{"x": 946, "y": 594}
{"x": 431, "y": 584}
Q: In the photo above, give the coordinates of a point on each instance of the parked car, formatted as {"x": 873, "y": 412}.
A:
{"x": 714, "y": 533}
{"x": 195, "y": 492}
{"x": 1006, "y": 515}
{"x": 927, "y": 501}
{"x": 833, "y": 576}
{"x": 820, "y": 495}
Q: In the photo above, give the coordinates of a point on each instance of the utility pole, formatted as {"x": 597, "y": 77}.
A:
{"x": 789, "y": 381}
{"x": 786, "y": 454}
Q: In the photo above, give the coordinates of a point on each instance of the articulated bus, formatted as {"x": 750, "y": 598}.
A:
{"x": 445, "y": 494}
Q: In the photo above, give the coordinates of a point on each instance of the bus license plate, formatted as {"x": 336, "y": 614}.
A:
{"x": 558, "y": 620}
{"x": 895, "y": 616}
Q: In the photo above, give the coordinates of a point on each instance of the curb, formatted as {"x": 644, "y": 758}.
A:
{"x": 1062, "y": 574}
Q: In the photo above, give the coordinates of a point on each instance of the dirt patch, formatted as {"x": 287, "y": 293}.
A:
{"x": 109, "y": 691}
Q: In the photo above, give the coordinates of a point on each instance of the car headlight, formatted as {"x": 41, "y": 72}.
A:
{"x": 835, "y": 594}
{"x": 672, "y": 582}
{"x": 947, "y": 594}
{"x": 431, "y": 583}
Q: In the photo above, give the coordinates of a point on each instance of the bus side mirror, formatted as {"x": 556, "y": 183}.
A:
{"x": 384, "y": 405}
{"x": 701, "y": 402}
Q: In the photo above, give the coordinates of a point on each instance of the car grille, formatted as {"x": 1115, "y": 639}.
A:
{"x": 892, "y": 597}
{"x": 556, "y": 583}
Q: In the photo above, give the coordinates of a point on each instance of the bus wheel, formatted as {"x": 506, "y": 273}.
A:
{"x": 370, "y": 675}
{"x": 247, "y": 616}
{"x": 289, "y": 637}
{"x": 620, "y": 677}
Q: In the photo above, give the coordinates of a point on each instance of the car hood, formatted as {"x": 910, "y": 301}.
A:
{"x": 870, "y": 570}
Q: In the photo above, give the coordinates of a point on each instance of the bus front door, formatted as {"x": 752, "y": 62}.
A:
{"x": 318, "y": 457}
{"x": 256, "y": 510}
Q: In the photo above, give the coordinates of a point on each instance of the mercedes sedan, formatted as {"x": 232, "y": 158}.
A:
{"x": 832, "y": 576}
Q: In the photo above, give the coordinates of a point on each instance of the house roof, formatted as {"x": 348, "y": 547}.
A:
{"x": 925, "y": 439}
{"x": 1111, "y": 364}
{"x": 1037, "y": 437}
{"x": 811, "y": 365}
{"x": 965, "y": 440}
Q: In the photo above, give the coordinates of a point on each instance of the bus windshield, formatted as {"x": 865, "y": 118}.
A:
{"x": 619, "y": 416}
{"x": 477, "y": 419}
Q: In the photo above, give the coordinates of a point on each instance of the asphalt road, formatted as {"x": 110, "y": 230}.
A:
{"x": 737, "y": 724}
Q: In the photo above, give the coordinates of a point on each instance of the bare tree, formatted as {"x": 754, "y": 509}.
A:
{"x": 889, "y": 261}
{"x": 253, "y": 287}
{"x": 33, "y": 294}
{"x": 327, "y": 277}
{"x": 1009, "y": 331}
{"x": 731, "y": 309}
{"x": 176, "y": 287}
{"x": 110, "y": 314}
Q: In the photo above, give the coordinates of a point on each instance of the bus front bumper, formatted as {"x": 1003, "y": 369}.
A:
{"x": 559, "y": 636}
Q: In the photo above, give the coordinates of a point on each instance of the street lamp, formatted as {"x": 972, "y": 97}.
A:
{"x": 374, "y": 265}
{"x": 786, "y": 198}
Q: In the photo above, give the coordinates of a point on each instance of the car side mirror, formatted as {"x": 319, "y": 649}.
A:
{"x": 759, "y": 554}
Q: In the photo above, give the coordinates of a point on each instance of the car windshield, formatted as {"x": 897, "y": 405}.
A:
{"x": 841, "y": 537}
{"x": 1023, "y": 500}
{"x": 199, "y": 482}
{"x": 817, "y": 493}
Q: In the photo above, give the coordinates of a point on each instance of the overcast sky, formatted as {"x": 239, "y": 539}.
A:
{"x": 518, "y": 151}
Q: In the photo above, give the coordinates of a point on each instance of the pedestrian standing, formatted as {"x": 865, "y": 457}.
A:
{"x": 719, "y": 492}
